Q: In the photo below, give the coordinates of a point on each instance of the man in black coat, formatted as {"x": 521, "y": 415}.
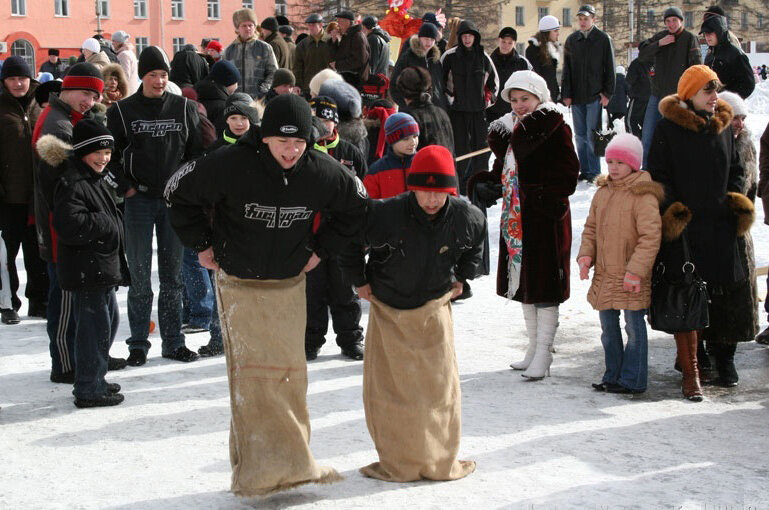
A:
{"x": 638, "y": 86}
{"x": 471, "y": 82}
{"x": 379, "y": 45}
{"x": 587, "y": 85}
{"x": 54, "y": 64}
{"x": 214, "y": 89}
{"x": 506, "y": 61}
{"x": 188, "y": 67}
{"x": 350, "y": 47}
{"x": 724, "y": 56}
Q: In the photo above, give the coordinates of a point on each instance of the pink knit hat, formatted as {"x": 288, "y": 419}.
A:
{"x": 627, "y": 149}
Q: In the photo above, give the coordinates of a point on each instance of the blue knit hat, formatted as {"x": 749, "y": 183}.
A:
{"x": 400, "y": 125}
{"x": 225, "y": 73}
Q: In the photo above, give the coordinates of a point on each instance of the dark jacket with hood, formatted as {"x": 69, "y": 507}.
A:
{"x": 351, "y": 53}
{"x": 281, "y": 50}
{"x": 434, "y": 123}
{"x": 505, "y": 65}
{"x": 187, "y": 67}
{"x": 637, "y": 81}
{"x": 17, "y": 121}
{"x": 415, "y": 56}
{"x": 90, "y": 243}
{"x": 695, "y": 158}
{"x": 732, "y": 66}
{"x": 212, "y": 96}
{"x": 588, "y": 67}
{"x": 263, "y": 216}
{"x": 379, "y": 47}
{"x": 415, "y": 258}
{"x": 469, "y": 76}
{"x": 618, "y": 102}
{"x": 153, "y": 136}
{"x": 547, "y": 69}
{"x": 670, "y": 61}
{"x": 312, "y": 56}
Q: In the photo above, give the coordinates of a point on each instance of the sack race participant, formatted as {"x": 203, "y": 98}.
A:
{"x": 424, "y": 244}
{"x": 265, "y": 191}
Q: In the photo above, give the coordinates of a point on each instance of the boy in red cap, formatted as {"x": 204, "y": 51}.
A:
{"x": 423, "y": 244}
{"x": 214, "y": 50}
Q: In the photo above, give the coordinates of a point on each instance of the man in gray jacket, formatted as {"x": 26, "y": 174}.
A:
{"x": 254, "y": 58}
{"x": 671, "y": 52}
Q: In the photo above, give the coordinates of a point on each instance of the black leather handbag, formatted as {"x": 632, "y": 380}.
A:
{"x": 602, "y": 137}
{"x": 679, "y": 298}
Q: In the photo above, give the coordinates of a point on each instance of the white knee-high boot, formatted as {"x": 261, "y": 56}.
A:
{"x": 547, "y": 325}
{"x": 530, "y": 318}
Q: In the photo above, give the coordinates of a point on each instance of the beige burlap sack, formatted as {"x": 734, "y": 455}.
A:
{"x": 411, "y": 393}
{"x": 263, "y": 323}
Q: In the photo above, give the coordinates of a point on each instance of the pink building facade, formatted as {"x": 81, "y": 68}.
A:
{"x": 30, "y": 27}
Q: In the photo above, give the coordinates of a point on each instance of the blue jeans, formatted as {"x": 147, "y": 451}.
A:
{"x": 97, "y": 323}
{"x": 651, "y": 118}
{"x": 627, "y": 367}
{"x": 143, "y": 215}
{"x": 586, "y": 118}
{"x": 60, "y": 325}
{"x": 198, "y": 292}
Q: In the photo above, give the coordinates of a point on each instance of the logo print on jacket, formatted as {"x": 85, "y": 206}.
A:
{"x": 156, "y": 128}
{"x": 286, "y": 216}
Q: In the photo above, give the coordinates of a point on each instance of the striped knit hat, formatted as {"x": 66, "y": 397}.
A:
{"x": 400, "y": 125}
{"x": 90, "y": 136}
{"x": 83, "y": 76}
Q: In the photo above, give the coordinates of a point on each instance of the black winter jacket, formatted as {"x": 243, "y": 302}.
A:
{"x": 547, "y": 70}
{"x": 434, "y": 124}
{"x": 212, "y": 96}
{"x": 670, "y": 61}
{"x": 187, "y": 68}
{"x": 351, "y": 53}
{"x": 732, "y": 67}
{"x": 469, "y": 76}
{"x": 415, "y": 56}
{"x": 91, "y": 243}
{"x": 505, "y": 65}
{"x": 618, "y": 102}
{"x": 152, "y": 138}
{"x": 263, "y": 215}
{"x": 349, "y": 156}
{"x": 588, "y": 67}
{"x": 17, "y": 120}
{"x": 379, "y": 47}
{"x": 413, "y": 258}
{"x": 637, "y": 81}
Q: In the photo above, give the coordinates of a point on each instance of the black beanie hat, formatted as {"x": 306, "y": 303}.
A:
{"x": 153, "y": 58}
{"x": 283, "y": 77}
{"x": 239, "y": 103}
{"x": 508, "y": 32}
{"x": 83, "y": 76}
{"x": 428, "y": 30}
{"x": 44, "y": 90}
{"x": 225, "y": 73}
{"x": 287, "y": 115}
{"x": 15, "y": 66}
{"x": 324, "y": 108}
{"x": 89, "y": 136}
{"x": 270, "y": 24}
{"x": 286, "y": 30}
{"x": 673, "y": 11}
{"x": 369, "y": 22}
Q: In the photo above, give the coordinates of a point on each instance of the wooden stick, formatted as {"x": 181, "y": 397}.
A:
{"x": 472, "y": 154}
{"x": 762, "y": 271}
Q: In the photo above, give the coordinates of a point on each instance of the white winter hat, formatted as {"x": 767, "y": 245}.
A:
{"x": 548, "y": 23}
{"x": 528, "y": 81}
{"x": 91, "y": 44}
{"x": 735, "y": 101}
{"x": 619, "y": 70}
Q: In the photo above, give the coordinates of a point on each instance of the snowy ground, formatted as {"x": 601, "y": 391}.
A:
{"x": 539, "y": 445}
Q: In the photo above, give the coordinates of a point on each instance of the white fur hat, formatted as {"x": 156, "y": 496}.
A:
{"x": 735, "y": 101}
{"x": 528, "y": 81}
{"x": 320, "y": 78}
{"x": 548, "y": 23}
{"x": 91, "y": 44}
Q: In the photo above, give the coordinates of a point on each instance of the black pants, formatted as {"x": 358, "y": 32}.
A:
{"x": 327, "y": 288}
{"x": 97, "y": 323}
{"x": 634, "y": 120}
{"x": 17, "y": 233}
{"x": 470, "y": 134}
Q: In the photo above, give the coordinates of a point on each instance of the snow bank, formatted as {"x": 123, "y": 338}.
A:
{"x": 758, "y": 101}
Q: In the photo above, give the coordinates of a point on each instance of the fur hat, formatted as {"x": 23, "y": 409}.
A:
{"x": 270, "y": 24}
{"x": 90, "y": 136}
{"x": 153, "y": 58}
{"x": 735, "y": 101}
{"x": 428, "y": 30}
{"x": 413, "y": 82}
{"x": 53, "y": 51}
{"x": 548, "y": 23}
{"x": 91, "y": 44}
{"x": 346, "y": 97}
{"x": 432, "y": 169}
{"x": 283, "y": 77}
{"x": 399, "y": 126}
{"x": 287, "y": 115}
{"x": 242, "y": 15}
{"x": 693, "y": 79}
{"x": 15, "y": 66}
{"x": 83, "y": 76}
{"x": 319, "y": 79}
{"x": 528, "y": 81}
{"x": 626, "y": 148}
{"x": 224, "y": 73}
{"x": 324, "y": 108}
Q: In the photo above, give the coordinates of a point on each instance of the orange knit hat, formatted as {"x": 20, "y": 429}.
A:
{"x": 693, "y": 80}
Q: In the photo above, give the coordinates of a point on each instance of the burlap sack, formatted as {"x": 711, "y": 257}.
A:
{"x": 263, "y": 324}
{"x": 411, "y": 393}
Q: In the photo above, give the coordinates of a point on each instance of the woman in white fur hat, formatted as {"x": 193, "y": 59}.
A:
{"x": 544, "y": 53}
{"x": 535, "y": 171}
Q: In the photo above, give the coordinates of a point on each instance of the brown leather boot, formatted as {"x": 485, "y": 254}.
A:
{"x": 687, "y": 357}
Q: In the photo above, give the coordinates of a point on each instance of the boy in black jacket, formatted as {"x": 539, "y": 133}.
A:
{"x": 91, "y": 253}
{"x": 424, "y": 243}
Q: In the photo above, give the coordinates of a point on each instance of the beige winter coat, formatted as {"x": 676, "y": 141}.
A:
{"x": 622, "y": 234}
{"x": 100, "y": 60}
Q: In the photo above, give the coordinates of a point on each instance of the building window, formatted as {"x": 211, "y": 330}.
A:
{"x": 61, "y": 7}
{"x": 542, "y": 12}
{"x": 689, "y": 19}
{"x": 103, "y": 6}
{"x": 178, "y": 43}
{"x": 519, "y": 15}
{"x": 566, "y": 17}
{"x": 760, "y": 21}
{"x": 141, "y": 43}
{"x": 744, "y": 20}
{"x": 23, "y": 48}
{"x": 177, "y": 9}
{"x": 248, "y": 4}
{"x": 650, "y": 17}
{"x": 140, "y": 9}
{"x": 280, "y": 8}
{"x": 607, "y": 17}
{"x": 18, "y": 7}
{"x": 213, "y": 9}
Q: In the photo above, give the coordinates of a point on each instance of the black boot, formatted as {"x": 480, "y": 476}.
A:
{"x": 763, "y": 337}
{"x": 727, "y": 372}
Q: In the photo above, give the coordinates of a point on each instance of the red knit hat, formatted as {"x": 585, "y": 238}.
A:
{"x": 432, "y": 169}
{"x": 215, "y": 45}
